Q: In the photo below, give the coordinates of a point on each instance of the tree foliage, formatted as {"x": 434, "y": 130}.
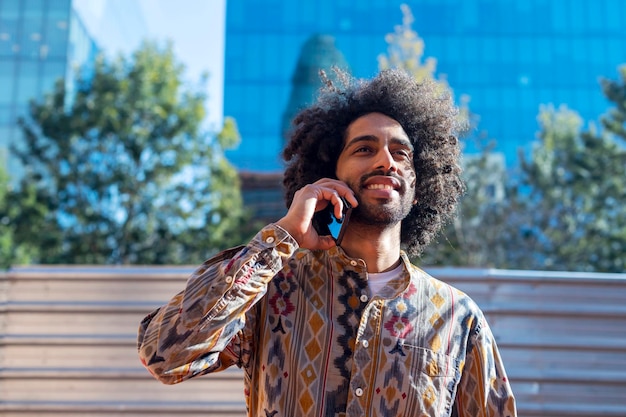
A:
{"x": 125, "y": 170}
{"x": 9, "y": 251}
{"x": 577, "y": 182}
{"x": 405, "y": 49}
{"x": 6, "y": 234}
{"x": 24, "y": 230}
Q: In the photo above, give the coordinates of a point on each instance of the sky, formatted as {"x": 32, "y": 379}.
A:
{"x": 196, "y": 28}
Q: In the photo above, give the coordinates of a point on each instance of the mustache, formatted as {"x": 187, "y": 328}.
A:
{"x": 383, "y": 173}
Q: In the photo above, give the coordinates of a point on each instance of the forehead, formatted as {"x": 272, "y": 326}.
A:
{"x": 373, "y": 124}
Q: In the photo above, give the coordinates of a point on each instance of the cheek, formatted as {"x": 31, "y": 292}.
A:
{"x": 411, "y": 178}
{"x": 344, "y": 170}
{"x": 349, "y": 177}
{"x": 339, "y": 167}
{"x": 340, "y": 175}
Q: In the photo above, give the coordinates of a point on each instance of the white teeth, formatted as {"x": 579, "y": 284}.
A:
{"x": 379, "y": 187}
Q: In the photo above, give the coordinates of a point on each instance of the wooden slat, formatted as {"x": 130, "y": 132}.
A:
{"x": 124, "y": 385}
{"x": 113, "y": 408}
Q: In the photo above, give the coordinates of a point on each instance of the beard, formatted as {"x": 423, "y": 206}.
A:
{"x": 383, "y": 213}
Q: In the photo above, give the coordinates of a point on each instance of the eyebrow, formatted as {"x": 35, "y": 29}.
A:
{"x": 373, "y": 138}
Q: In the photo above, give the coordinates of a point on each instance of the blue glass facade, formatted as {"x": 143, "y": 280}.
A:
{"x": 41, "y": 41}
{"x": 509, "y": 56}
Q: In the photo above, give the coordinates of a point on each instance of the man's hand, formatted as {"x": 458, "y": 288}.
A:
{"x": 306, "y": 202}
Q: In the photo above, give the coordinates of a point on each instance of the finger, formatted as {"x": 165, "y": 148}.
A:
{"x": 341, "y": 204}
{"x": 326, "y": 195}
{"x": 350, "y": 198}
{"x": 341, "y": 188}
{"x": 338, "y": 206}
{"x": 344, "y": 203}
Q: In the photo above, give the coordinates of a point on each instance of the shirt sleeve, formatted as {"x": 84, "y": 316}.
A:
{"x": 484, "y": 389}
{"x": 201, "y": 329}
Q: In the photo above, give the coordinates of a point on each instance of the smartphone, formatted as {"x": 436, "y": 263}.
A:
{"x": 338, "y": 226}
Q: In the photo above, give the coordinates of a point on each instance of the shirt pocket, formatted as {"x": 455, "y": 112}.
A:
{"x": 425, "y": 380}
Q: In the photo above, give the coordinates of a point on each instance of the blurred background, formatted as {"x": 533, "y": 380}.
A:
{"x": 138, "y": 137}
{"x": 148, "y": 132}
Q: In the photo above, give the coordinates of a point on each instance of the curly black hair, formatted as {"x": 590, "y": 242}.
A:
{"x": 426, "y": 113}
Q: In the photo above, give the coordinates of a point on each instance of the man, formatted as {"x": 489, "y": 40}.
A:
{"x": 351, "y": 330}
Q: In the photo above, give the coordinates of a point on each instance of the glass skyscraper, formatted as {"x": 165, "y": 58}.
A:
{"x": 508, "y": 56}
{"x": 41, "y": 41}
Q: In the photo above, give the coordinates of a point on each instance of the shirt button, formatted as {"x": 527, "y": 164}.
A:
{"x": 228, "y": 279}
{"x": 358, "y": 392}
{"x": 353, "y": 263}
{"x": 365, "y": 343}
{"x": 364, "y": 298}
{"x": 270, "y": 239}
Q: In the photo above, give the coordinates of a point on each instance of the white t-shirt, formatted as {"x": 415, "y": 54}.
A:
{"x": 380, "y": 279}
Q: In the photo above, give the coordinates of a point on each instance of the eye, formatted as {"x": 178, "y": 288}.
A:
{"x": 363, "y": 149}
{"x": 403, "y": 154}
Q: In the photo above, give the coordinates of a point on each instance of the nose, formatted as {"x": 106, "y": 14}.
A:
{"x": 385, "y": 161}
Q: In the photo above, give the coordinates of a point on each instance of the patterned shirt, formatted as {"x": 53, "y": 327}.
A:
{"x": 312, "y": 341}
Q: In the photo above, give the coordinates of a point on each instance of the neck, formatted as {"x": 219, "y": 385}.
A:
{"x": 380, "y": 249}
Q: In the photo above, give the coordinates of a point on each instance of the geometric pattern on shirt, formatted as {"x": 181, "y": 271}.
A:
{"x": 420, "y": 372}
{"x": 350, "y": 287}
{"x": 311, "y": 352}
{"x": 498, "y": 400}
{"x": 281, "y": 305}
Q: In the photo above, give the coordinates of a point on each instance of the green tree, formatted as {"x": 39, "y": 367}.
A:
{"x": 8, "y": 250}
{"x": 405, "y": 49}
{"x": 21, "y": 214}
{"x": 126, "y": 170}
{"x": 6, "y": 232}
{"x": 577, "y": 183}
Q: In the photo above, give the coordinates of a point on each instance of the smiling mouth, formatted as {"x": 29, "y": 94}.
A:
{"x": 379, "y": 187}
